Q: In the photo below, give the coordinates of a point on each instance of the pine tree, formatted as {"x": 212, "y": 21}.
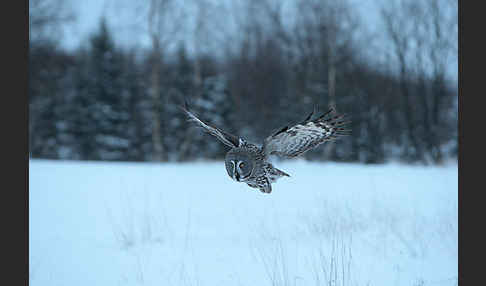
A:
{"x": 101, "y": 108}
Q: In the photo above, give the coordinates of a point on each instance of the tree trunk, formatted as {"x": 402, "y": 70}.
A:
{"x": 330, "y": 150}
{"x": 156, "y": 103}
{"x": 408, "y": 113}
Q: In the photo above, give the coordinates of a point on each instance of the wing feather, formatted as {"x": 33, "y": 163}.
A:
{"x": 226, "y": 138}
{"x": 298, "y": 139}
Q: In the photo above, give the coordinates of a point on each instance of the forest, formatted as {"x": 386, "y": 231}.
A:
{"x": 106, "y": 101}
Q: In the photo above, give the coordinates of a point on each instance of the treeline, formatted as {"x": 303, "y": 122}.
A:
{"x": 105, "y": 102}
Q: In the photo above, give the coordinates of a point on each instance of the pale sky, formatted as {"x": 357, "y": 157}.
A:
{"x": 89, "y": 12}
{"x": 122, "y": 16}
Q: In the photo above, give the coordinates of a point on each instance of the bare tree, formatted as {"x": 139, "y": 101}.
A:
{"x": 162, "y": 23}
{"x": 154, "y": 31}
{"x": 419, "y": 33}
{"x": 201, "y": 34}
{"x": 399, "y": 30}
{"x": 47, "y": 18}
{"x": 325, "y": 32}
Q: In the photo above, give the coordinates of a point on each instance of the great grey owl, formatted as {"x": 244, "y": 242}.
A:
{"x": 246, "y": 162}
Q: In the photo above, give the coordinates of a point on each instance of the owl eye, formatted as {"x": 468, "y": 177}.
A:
{"x": 242, "y": 165}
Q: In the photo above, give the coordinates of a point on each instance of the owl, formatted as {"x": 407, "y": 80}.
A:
{"x": 248, "y": 163}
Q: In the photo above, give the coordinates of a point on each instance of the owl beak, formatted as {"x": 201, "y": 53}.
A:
{"x": 237, "y": 176}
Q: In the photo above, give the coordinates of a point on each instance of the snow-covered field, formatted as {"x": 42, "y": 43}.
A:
{"x": 190, "y": 224}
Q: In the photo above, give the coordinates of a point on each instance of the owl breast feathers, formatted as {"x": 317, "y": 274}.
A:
{"x": 246, "y": 162}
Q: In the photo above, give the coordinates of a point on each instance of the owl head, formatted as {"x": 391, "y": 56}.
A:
{"x": 239, "y": 164}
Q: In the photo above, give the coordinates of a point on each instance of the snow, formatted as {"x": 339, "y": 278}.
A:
{"x": 99, "y": 223}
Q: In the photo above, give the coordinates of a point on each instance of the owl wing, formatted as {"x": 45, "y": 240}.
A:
{"x": 226, "y": 138}
{"x": 296, "y": 140}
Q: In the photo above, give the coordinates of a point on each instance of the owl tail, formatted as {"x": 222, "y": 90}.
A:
{"x": 282, "y": 173}
{"x": 274, "y": 174}
{"x": 279, "y": 173}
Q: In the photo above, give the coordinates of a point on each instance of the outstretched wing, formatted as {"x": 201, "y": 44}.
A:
{"x": 296, "y": 140}
{"x": 226, "y": 138}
